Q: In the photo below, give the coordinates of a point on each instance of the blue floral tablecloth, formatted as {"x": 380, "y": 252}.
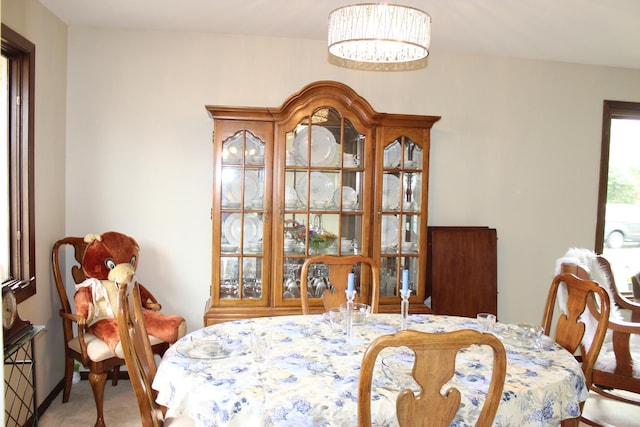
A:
{"x": 310, "y": 377}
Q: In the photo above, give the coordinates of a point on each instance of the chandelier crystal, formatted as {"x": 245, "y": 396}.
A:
{"x": 379, "y": 36}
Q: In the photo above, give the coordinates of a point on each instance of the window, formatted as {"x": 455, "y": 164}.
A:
{"x": 618, "y": 219}
{"x": 17, "y": 239}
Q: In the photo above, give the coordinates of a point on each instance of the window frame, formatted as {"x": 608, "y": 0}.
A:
{"x": 611, "y": 110}
{"x": 21, "y": 140}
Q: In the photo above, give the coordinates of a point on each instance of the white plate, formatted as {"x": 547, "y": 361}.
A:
{"x": 389, "y": 231}
{"x": 190, "y": 348}
{"x": 232, "y": 188}
{"x": 349, "y": 197}
{"x": 391, "y": 189}
{"x": 323, "y": 146}
{"x": 232, "y": 148}
{"x": 252, "y": 229}
{"x": 392, "y": 155}
{"x": 321, "y": 189}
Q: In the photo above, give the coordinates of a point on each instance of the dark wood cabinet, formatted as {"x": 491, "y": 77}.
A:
{"x": 462, "y": 270}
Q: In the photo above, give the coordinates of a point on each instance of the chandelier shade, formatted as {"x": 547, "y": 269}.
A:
{"x": 378, "y": 33}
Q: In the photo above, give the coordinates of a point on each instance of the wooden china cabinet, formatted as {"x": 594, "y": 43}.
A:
{"x": 322, "y": 174}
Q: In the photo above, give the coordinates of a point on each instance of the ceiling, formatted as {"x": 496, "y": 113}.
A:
{"x": 581, "y": 31}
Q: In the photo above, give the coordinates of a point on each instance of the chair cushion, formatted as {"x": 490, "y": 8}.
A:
{"x": 98, "y": 350}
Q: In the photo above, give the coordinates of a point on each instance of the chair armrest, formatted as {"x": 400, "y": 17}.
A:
{"x": 152, "y": 306}
{"x": 149, "y": 301}
{"x": 626, "y": 303}
{"x": 82, "y": 324}
{"x": 81, "y": 321}
{"x": 621, "y": 338}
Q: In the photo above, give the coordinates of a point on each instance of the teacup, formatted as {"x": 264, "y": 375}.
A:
{"x": 255, "y": 246}
{"x": 289, "y": 244}
{"x": 350, "y": 205}
{"x": 320, "y": 204}
{"x": 408, "y": 247}
{"x": 350, "y": 160}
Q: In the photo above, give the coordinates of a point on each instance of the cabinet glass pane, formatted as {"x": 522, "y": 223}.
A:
{"x": 411, "y": 233}
{"x": 351, "y": 235}
{"x": 391, "y": 274}
{"x": 389, "y": 233}
{"x": 411, "y": 189}
{"x": 392, "y": 155}
{"x": 291, "y": 277}
{"x": 322, "y": 235}
{"x": 229, "y": 287}
{"x": 411, "y": 264}
{"x": 294, "y": 233}
{"x": 243, "y": 147}
{"x": 388, "y": 276}
{"x": 412, "y": 155}
{"x": 238, "y": 186}
{"x": 391, "y": 191}
{"x": 252, "y": 278}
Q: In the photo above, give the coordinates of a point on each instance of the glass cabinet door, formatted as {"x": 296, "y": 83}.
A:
{"x": 401, "y": 213}
{"x": 239, "y": 275}
{"x": 325, "y": 196}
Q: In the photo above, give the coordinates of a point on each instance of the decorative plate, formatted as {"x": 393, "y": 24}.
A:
{"x": 349, "y": 197}
{"x": 391, "y": 190}
{"x": 321, "y": 189}
{"x": 323, "y": 146}
{"x": 232, "y": 188}
{"x": 389, "y": 232}
{"x": 232, "y": 225}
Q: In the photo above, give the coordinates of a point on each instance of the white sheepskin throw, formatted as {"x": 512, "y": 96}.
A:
{"x": 589, "y": 262}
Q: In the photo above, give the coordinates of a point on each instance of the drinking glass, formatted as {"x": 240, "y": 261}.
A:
{"x": 260, "y": 345}
{"x": 337, "y": 318}
{"x": 486, "y": 322}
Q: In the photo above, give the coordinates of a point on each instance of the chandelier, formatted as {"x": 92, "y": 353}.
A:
{"x": 379, "y": 36}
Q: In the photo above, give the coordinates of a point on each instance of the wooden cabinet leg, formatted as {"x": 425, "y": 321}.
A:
{"x": 97, "y": 382}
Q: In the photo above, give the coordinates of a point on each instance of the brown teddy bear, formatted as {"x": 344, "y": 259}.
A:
{"x": 110, "y": 259}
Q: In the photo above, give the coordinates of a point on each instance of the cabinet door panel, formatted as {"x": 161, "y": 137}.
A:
{"x": 462, "y": 270}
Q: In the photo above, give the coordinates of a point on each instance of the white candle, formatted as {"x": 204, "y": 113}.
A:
{"x": 350, "y": 284}
{"x": 405, "y": 280}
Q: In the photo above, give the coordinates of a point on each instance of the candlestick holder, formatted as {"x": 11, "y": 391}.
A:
{"x": 404, "y": 307}
{"x": 351, "y": 295}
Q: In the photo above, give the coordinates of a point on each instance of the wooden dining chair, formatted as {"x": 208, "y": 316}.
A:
{"x": 616, "y": 368}
{"x": 434, "y": 366}
{"x": 140, "y": 360}
{"x": 579, "y": 310}
{"x": 339, "y": 268}
{"x": 86, "y": 348}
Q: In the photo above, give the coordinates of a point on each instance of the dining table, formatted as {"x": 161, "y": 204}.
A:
{"x": 309, "y": 375}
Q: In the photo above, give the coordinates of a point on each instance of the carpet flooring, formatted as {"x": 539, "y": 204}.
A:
{"x": 121, "y": 410}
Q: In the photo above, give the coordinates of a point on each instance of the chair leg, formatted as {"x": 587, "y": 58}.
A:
{"x": 115, "y": 375}
{"x": 97, "y": 382}
{"x": 68, "y": 378}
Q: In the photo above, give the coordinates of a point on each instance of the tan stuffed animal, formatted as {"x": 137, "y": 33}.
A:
{"x": 110, "y": 259}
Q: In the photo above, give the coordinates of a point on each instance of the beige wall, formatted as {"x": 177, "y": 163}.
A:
{"x": 49, "y": 34}
{"x": 515, "y": 136}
